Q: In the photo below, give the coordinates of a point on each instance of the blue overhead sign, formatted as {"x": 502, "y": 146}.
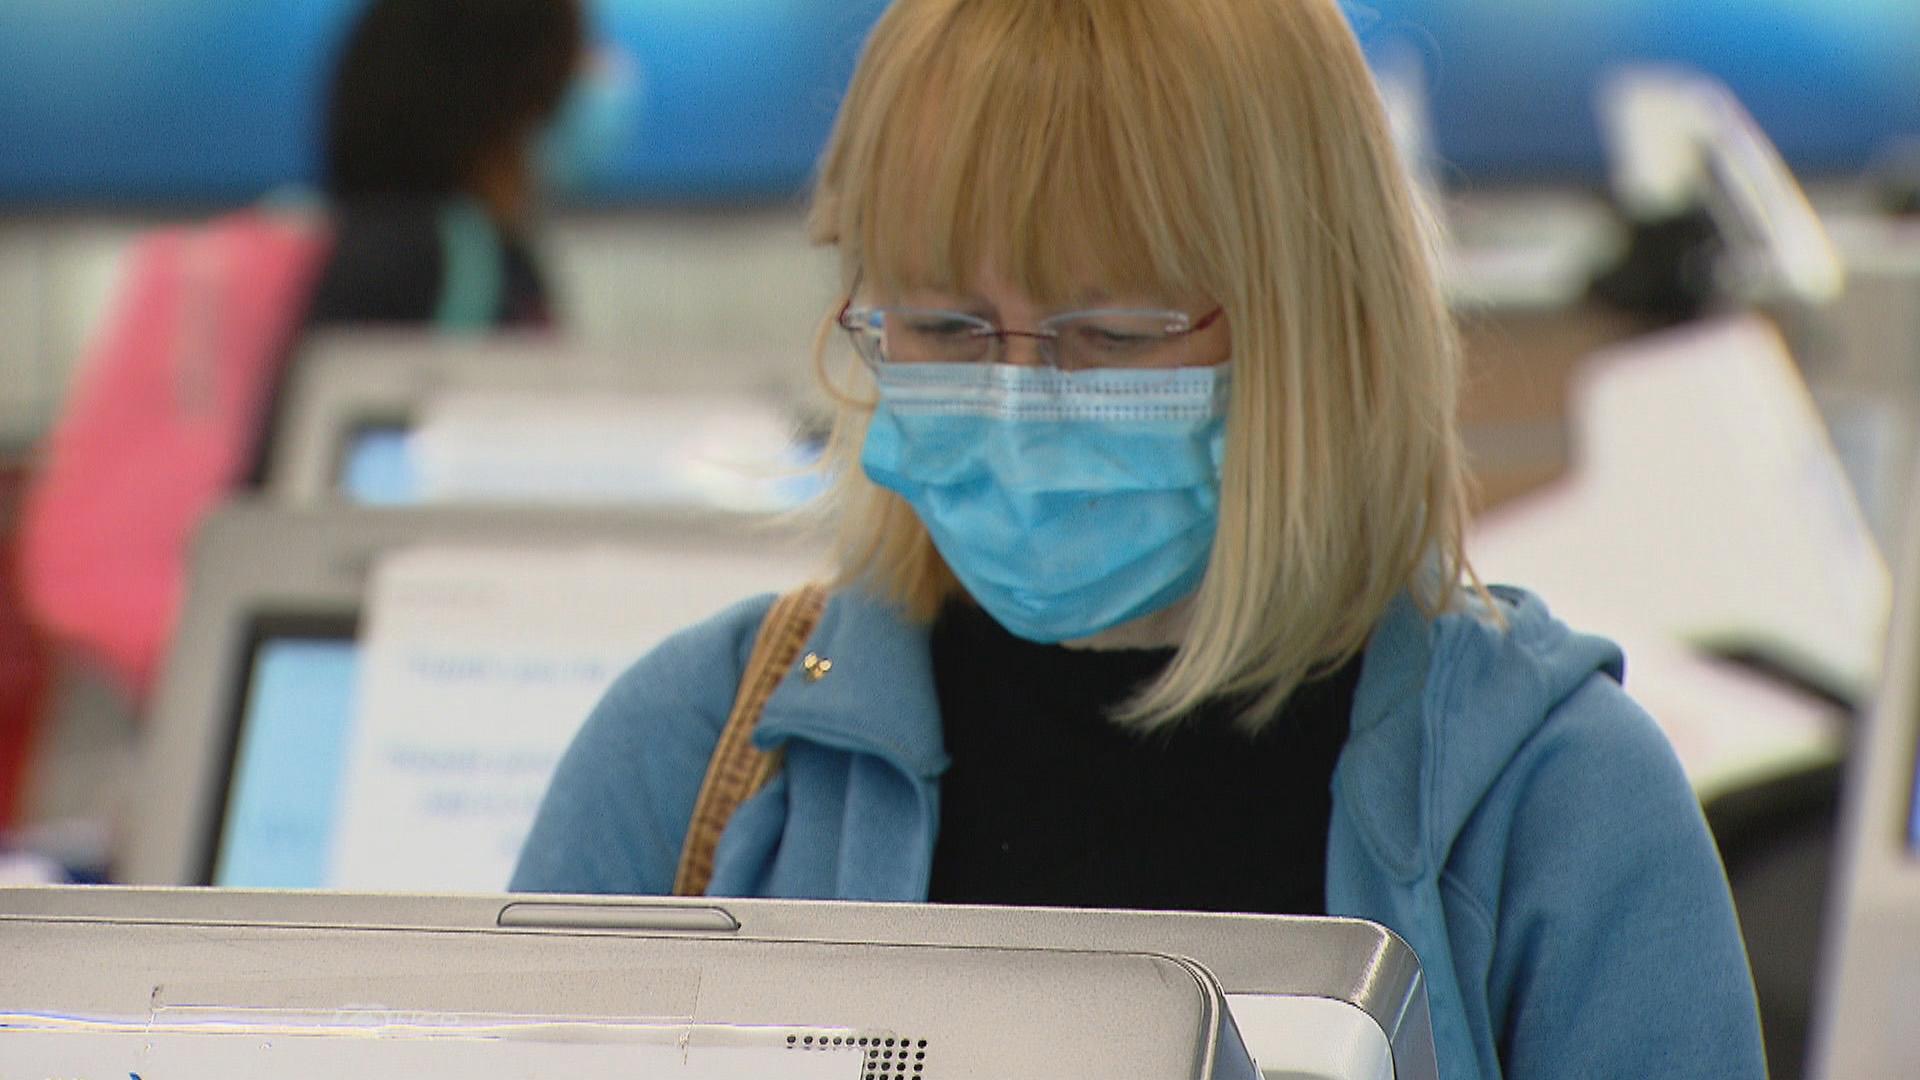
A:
{"x": 197, "y": 100}
{"x": 158, "y": 101}
{"x": 1511, "y": 81}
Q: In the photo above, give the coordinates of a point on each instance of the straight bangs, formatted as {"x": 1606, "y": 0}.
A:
{"x": 1233, "y": 150}
{"x": 1020, "y": 136}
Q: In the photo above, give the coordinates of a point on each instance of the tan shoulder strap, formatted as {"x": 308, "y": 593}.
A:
{"x": 738, "y": 769}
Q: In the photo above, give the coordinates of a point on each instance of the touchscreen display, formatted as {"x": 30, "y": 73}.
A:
{"x": 282, "y": 800}
{"x": 1913, "y": 831}
{"x": 379, "y": 468}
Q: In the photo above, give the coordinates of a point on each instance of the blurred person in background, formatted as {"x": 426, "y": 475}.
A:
{"x": 433, "y": 147}
{"x": 1151, "y": 586}
{"x": 434, "y": 133}
{"x": 442, "y": 119}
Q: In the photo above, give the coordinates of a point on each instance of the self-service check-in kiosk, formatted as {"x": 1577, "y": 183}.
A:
{"x": 982, "y": 992}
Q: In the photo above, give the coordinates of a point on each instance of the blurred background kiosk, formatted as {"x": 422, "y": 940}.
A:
{"x": 376, "y": 697}
{"x": 1870, "y": 984}
{"x": 966, "y": 993}
{"x": 390, "y": 419}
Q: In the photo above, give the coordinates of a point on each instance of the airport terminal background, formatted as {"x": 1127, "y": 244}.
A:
{"x": 676, "y": 250}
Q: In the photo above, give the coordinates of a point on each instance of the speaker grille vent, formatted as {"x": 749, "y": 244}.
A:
{"x": 887, "y": 1057}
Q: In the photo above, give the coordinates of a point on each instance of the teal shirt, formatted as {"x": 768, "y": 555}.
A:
{"x": 1501, "y": 804}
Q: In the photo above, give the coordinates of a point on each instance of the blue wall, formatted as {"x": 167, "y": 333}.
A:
{"x": 198, "y": 100}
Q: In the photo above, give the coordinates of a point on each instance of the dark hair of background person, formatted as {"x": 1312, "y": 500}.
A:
{"x": 426, "y": 91}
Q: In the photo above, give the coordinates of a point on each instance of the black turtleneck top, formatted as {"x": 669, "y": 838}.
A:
{"x": 1049, "y": 802}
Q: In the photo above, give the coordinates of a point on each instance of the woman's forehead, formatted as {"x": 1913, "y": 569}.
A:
{"x": 1045, "y": 277}
{"x": 1000, "y": 293}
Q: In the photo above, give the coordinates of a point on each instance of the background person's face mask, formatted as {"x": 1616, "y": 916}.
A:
{"x": 1067, "y": 503}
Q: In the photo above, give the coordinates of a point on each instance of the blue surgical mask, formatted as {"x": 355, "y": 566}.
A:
{"x": 1067, "y": 503}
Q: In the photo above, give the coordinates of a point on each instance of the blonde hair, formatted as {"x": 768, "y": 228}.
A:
{"x": 1232, "y": 149}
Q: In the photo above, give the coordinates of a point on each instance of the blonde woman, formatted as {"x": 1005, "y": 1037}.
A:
{"x": 1151, "y": 591}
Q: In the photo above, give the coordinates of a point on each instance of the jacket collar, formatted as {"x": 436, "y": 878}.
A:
{"x": 877, "y": 698}
{"x": 1382, "y": 775}
{"x": 1460, "y": 688}
{"x": 1442, "y": 707}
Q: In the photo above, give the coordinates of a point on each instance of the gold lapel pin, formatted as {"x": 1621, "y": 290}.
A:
{"x": 815, "y": 667}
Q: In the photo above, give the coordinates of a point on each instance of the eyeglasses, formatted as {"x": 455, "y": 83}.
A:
{"x": 1071, "y": 341}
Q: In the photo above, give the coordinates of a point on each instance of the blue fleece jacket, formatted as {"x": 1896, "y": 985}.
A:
{"x": 1501, "y": 804}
